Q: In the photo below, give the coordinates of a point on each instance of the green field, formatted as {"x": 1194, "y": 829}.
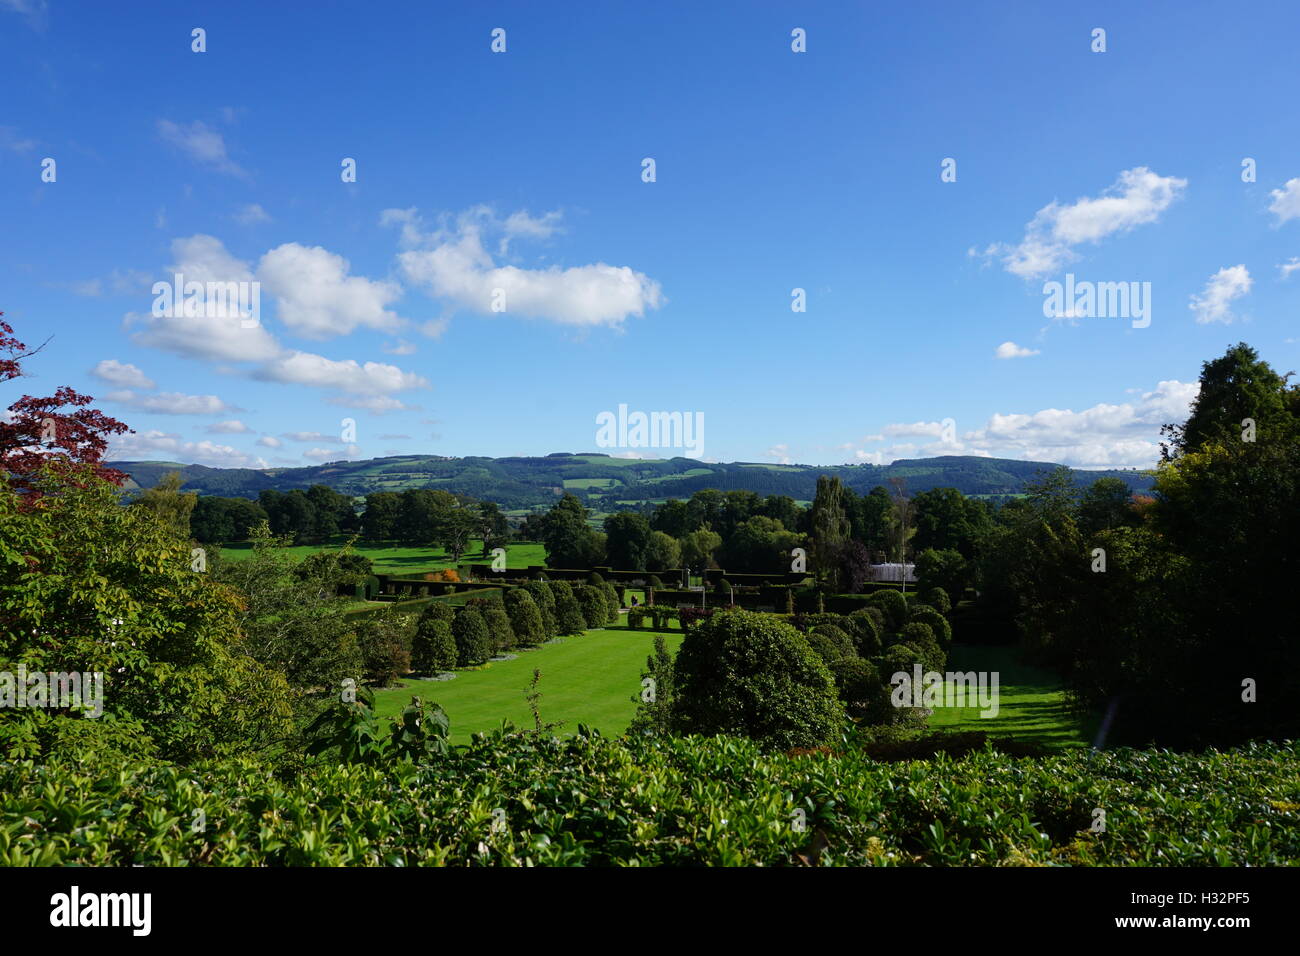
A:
{"x": 589, "y": 679}
{"x": 1032, "y": 702}
{"x": 391, "y": 559}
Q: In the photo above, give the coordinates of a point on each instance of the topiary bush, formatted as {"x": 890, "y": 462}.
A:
{"x": 925, "y": 614}
{"x": 860, "y": 689}
{"x": 525, "y": 618}
{"x": 938, "y": 599}
{"x": 892, "y": 605}
{"x": 865, "y": 630}
{"x": 591, "y": 601}
{"x": 473, "y": 642}
{"x": 831, "y": 643}
{"x": 742, "y": 673}
{"x": 612, "y": 603}
{"x": 433, "y": 648}
{"x": 544, "y": 597}
{"x": 500, "y": 630}
{"x": 568, "y": 613}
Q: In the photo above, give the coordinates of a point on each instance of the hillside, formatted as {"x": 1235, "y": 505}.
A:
{"x": 605, "y": 483}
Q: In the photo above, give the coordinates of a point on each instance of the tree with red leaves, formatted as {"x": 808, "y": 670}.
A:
{"x": 59, "y": 430}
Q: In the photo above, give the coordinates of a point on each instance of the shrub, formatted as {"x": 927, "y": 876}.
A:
{"x": 591, "y": 601}
{"x": 654, "y": 582}
{"x": 439, "y": 611}
{"x": 636, "y": 617}
{"x": 500, "y": 630}
{"x": 831, "y": 643}
{"x": 612, "y": 602}
{"x": 433, "y": 649}
{"x": 595, "y": 580}
{"x": 544, "y": 598}
{"x": 898, "y": 658}
{"x": 938, "y": 599}
{"x": 690, "y": 616}
{"x": 942, "y": 569}
{"x": 385, "y": 641}
{"x": 893, "y": 605}
{"x": 525, "y": 617}
{"x": 743, "y": 673}
{"x": 473, "y": 642}
{"x": 924, "y": 614}
{"x": 568, "y": 613}
{"x": 921, "y": 637}
{"x": 865, "y": 631}
{"x": 860, "y": 690}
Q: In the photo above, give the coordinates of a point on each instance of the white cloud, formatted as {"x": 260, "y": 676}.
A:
{"x": 11, "y": 139}
{"x": 172, "y": 403}
{"x": 121, "y": 373}
{"x": 458, "y": 268}
{"x": 331, "y": 454}
{"x": 434, "y": 328}
{"x": 369, "y": 378}
{"x": 1136, "y": 198}
{"x": 1103, "y": 436}
{"x": 1288, "y": 267}
{"x": 232, "y": 427}
{"x": 251, "y": 214}
{"x": 318, "y": 299}
{"x": 1212, "y": 303}
{"x": 376, "y": 404}
{"x": 780, "y": 452}
{"x": 1286, "y": 201}
{"x": 1010, "y": 350}
{"x": 270, "y": 441}
{"x": 204, "y": 259}
{"x": 201, "y": 143}
{"x": 154, "y": 444}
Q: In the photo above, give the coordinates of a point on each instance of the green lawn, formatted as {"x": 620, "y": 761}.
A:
{"x": 590, "y": 679}
{"x": 391, "y": 559}
{"x": 1031, "y": 702}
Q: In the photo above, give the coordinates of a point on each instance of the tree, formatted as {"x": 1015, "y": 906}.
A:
{"x": 942, "y": 569}
{"x": 492, "y": 527}
{"x": 382, "y": 516}
{"x": 170, "y": 506}
{"x": 870, "y": 519}
{"x": 946, "y": 520}
{"x": 673, "y": 518}
{"x": 1106, "y": 504}
{"x": 499, "y": 627}
{"x": 591, "y": 601}
{"x": 698, "y": 548}
{"x": 663, "y": 553}
{"x": 653, "y": 715}
{"x": 1236, "y": 386}
{"x": 455, "y": 530}
{"x": 89, "y": 586}
{"x": 830, "y": 529}
{"x": 569, "y": 542}
{"x": 385, "y": 642}
{"x": 855, "y": 566}
{"x": 58, "y": 430}
{"x": 743, "y": 673}
{"x": 627, "y": 541}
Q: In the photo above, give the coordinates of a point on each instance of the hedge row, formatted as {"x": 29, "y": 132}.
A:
{"x": 652, "y": 801}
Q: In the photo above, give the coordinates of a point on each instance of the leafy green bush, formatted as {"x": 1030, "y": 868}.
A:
{"x": 473, "y": 642}
{"x": 892, "y": 605}
{"x": 385, "y": 642}
{"x": 739, "y": 672}
{"x": 544, "y": 598}
{"x": 433, "y": 648}
{"x": 500, "y": 630}
{"x": 865, "y": 631}
{"x": 611, "y": 602}
{"x": 831, "y": 643}
{"x": 568, "y": 612}
{"x": 938, "y": 599}
{"x": 942, "y": 569}
{"x": 525, "y": 617}
{"x": 938, "y": 624}
{"x": 860, "y": 689}
{"x": 591, "y": 601}
{"x": 572, "y": 803}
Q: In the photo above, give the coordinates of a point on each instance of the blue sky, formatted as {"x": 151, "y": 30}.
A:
{"x": 522, "y": 171}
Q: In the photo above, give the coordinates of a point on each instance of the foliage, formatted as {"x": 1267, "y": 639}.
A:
{"x": 473, "y": 641}
{"x": 433, "y": 648}
{"x": 743, "y": 673}
{"x": 526, "y": 620}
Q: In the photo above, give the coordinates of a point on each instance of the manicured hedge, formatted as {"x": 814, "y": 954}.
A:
{"x": 647, "y": 801}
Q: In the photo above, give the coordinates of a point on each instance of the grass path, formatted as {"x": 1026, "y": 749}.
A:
{"x": 1032, "y": 702}
{"x": 589, "y": 679}
{"x": 389, "y": 559}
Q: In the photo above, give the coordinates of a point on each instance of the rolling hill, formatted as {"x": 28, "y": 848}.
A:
{"x": 606, "y": 483}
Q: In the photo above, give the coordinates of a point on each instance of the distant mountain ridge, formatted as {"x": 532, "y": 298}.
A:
{"x": 606, "y": 483}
